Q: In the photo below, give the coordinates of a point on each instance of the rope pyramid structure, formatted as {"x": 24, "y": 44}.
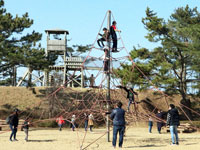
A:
{"x": 99, "y": 100}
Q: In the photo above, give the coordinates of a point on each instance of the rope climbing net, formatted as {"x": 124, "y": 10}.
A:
{"x": 67, "y": 101}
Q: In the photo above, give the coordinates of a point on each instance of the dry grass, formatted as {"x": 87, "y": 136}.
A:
{"x": 20, "y": 97}
{"x": 26, "y": 99}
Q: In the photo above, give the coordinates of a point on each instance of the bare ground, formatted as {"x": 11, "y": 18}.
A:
{"x": 136, "y": 139}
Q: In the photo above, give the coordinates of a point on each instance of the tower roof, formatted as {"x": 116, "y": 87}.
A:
{"x": 57, "y": 31}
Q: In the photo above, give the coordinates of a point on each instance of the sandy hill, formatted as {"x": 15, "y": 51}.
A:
{"x": 35, "y": 99}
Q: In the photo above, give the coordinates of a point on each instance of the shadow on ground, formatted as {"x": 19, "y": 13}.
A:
{"x": 145, "y": 146}
{"x": 41, "y": 140}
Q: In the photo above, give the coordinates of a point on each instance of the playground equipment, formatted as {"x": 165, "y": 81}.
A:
{"x": 95, "y": 100}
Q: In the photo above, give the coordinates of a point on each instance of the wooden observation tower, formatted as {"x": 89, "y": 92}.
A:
{"x": 57, "y": 45}
{"x": 71, "y": 68}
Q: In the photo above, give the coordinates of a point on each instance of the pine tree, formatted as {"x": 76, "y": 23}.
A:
{"x": 16, "y": 48}
{"x": 174, "y": 64}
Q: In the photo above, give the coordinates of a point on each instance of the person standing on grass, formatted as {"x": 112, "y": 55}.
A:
{"x": 13, "y": 123}
{"x": 90, "y": 121}
{"x": 86, "y": 121}
{"x": 118, "y": 117}
{"x": 173, "y": 122}
{"x": 60, "y": 122}
{"x": 26, "y": 128}
{"x": 160, "y": 122}
{"x": 73, "y": 125}
{"x": 150, "y": 124}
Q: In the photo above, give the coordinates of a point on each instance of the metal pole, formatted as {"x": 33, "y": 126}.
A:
{"x": 46, "y": 54}
{"x": 65, "y": 51}
{"x": 108, "y": 80}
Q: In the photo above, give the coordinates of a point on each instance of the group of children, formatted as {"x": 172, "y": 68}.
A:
{"x": 172, "y": 120}
{"x": 13, "y": 121}
{"x": 88, "y": 118}
{"x": 88, "y": 121}
{"x": 106, "y": 37}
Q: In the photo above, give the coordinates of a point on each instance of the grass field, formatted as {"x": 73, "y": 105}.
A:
{"x": 136, "y": 138}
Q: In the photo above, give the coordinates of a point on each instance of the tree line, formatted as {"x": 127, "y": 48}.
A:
{"x": 173, "y": 66}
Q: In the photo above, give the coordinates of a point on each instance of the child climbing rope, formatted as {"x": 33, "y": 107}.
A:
{"x": 130, "y": 95}
{"x": 104, "y": 37}
{"x": 113, "y": 30}
{"x": 105, "y": 60}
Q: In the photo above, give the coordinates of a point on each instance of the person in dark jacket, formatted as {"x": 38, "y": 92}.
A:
{"x": 86, "y": 121}
{"x": 113, "y": 34}
{"x": 14, "y": 121}
{"x": 26, "y": 128}
{"x": 104, "y": 37}
{"x": 130, "y": 95}
{"x": 173, "y": 122}
{"x": 118, "y": 117}
{"x": 92, "y": 81}
{"x": 160, "y": 123}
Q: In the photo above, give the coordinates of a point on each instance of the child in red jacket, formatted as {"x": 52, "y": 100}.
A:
{"x": 60, "y": 122}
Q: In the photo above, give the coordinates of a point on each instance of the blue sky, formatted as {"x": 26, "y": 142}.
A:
{"x": 83, "y": 18}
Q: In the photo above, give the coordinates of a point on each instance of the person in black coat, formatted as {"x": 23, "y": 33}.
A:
{"x": 173, "y": 121}
{"x": 160, "y": 123}
{"x": 14, "y": 121}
